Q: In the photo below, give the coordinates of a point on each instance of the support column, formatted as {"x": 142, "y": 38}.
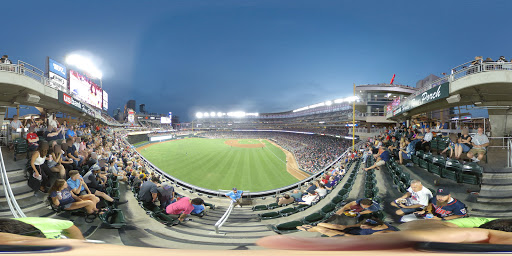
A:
{"x": 3, "y": 133}
{"x": 501, "y": 122}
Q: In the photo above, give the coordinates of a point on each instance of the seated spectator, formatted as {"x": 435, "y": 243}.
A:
{"x": 366, "y": 227}
{"x": 415, "y": 199}
{"x": 165, "y": 195}
{"x": 479, "y": 142}
{"x": 453, "y": 146}
{"x": 55, "y": 161}
{"x": 311, "y": 189}
{"x": 309, "y": 199}
{"x": 183, "y": 207}
{"x": 406, "y": 152}
{"x": 62, "y": 196}
{"x": 297, "y": 195}
{"x": 285, "y": 199}
{"x": 464, "y": 143}
{"x": 360, "y": 206}
{"x": 53, "y": 133}
{"x": 116, "y": 171}
{"x": 32, "y": 139}
{"x": 148, "y": 193}
{"x": 72, "y": 153}
{"x": 321, "y": 190}
{"x": 425, "y": 142}
{"x": 15, "y": 125}
{"x": 381, "y": 160}
{"x": 40, "y": 170}
{"x": 78, "y": 186}
{"x": 441, "y": 207}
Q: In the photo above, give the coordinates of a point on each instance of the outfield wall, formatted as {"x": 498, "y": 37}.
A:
{"x": 209, "y": 192}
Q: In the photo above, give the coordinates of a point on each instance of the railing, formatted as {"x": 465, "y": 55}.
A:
{"x": 509, "y": 156}
{"x": 248, "y": 195}
{"x": 463, "y": 71}
{"x": 224, "y": 218}
{"x": 504, "y": 142}
{"x": 9, "y": 196}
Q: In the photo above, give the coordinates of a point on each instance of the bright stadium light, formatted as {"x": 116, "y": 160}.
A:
{"x": 337, "y": 101}
{"x": 219, "y": 114}
{"x": 84, "y": 64}
{"x": 199, "y": 115}
{"x": 206, "y": 114}
{"x": 212, "y": 114}
{"x": 352, "y": 98}
{"x": 328, "y": 103}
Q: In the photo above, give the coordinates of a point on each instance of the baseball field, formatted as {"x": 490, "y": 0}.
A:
{"x": 248, "y": 164}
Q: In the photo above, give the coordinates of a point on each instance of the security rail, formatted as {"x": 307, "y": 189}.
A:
{"x": 224, "y": 217}
{"x": 509, "y": 154}
{"x": 461, "y": 71}
{"x": 25, "y": 69}
{"x": 195, "y": 189}
{"x": 9, "y": 196}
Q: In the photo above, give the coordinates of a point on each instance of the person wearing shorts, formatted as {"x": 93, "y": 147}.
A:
{"x": 480, "y": 142}
{"x": 415, "y": 199}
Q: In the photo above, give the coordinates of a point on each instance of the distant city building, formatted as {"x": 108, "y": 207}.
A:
{"x": 426, "y": 81}
{"x": 131, "y": 104}
{"x": 142, "y": 108}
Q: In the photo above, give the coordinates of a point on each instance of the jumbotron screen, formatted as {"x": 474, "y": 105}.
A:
{"x": 82, "y": 88}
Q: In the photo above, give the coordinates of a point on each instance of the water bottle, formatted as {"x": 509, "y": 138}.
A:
{"x": 429, "y": 216}
{"x": 59, "y": 195}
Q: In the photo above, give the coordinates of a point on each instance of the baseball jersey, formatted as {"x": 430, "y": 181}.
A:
{"x": 421, "y": 197}
{"x": 454, "y": 207}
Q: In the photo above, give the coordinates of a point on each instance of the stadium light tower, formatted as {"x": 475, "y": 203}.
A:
{"x": 84, "y": 64}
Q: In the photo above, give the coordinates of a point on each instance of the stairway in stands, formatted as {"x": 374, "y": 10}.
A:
{"x": 495, "y": 197}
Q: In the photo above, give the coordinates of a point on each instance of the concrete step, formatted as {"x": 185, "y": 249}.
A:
{"x": 491, "y": 206}
{"x": 18, "y": 197}
{"x": 24, "y": 203}
{"x": 491, "y": 214}
{"x": 18, "y": 190}
{"x": 494, "y": 200}
{"x": 497, "y": 170}
{"x": 26, "y": 210}
{"x": 496, "y": 193}
{"x": 15, "y": 182}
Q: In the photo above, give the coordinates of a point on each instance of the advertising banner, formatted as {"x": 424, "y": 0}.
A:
{"x": 84, "y": 89}
{"x": 131, "y": 116}
{"x": 57, "y": 82}
{"x": 105, "y": 101}
{"x": 436, "y": 93}
{"x": 67, "y": 99}
{"x": 57, "y": 68}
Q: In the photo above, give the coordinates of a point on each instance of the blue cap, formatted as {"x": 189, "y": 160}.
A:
{"x": 234, "y": 189}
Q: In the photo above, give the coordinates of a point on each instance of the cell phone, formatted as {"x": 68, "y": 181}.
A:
{"x": 464, "y": 248}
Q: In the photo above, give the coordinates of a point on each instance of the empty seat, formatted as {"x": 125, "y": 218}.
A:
{"x": 269, "y": 215}
{"x": 259, "y": 207}
{"x": 314, "y": 218}
{"x": 287, "y": 227}
{"x": 273, "y": 206}
{"x": 288, "y": 211}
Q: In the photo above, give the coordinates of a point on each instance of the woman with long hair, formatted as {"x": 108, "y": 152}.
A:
{"x": 55, "y": 161}
{"x": 61, "y": 195}
{"x": 40, "y": 170}
{"x": 464, "y": 144}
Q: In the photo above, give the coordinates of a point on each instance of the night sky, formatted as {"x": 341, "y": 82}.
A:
{"x": 254, "y": 56}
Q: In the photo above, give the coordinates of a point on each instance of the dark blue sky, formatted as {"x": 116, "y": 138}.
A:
{"x": 254, "y": 56}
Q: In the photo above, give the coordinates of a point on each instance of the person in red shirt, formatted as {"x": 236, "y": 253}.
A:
{"x": 32, "y": 139}
{"x": 183, "y": 207}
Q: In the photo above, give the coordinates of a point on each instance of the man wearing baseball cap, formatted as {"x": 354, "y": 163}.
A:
{"x": 443, "y": 206}
{"x": 236, "y": 197}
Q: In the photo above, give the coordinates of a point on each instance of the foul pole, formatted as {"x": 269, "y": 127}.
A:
{"x": 354, "y": 120}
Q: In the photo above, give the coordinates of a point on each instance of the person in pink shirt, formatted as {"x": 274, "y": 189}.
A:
{"x": 183, "y": 207}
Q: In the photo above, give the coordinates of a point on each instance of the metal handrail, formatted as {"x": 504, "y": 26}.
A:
{"x": 247, "y": 195}
{"x": 509, "y": 155}
{"x": 463, "y": 71}
{"x": 9, "y": 196}
{"x": 224, "y": 217}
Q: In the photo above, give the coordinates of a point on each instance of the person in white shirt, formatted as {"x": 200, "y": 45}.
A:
{"x": 415, "y": 199}
{"x": 15, "y": 125}
{"x": 480, "y": 142}
{"x": 425, "y": 142}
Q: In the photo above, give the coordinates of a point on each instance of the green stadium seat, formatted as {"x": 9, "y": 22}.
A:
{"x": 302, "y": 207}
{"x": 337, "y": 199}
{"x": 164, "y": 218}
{"x": 20, "y": 147}
{"x": 313, "y": 218}
{"x": 449, "y": 174}
{"x": 269, "y": 215}
{"x": 259, "y": 207}
{"x": 288, "y": 211}
{"x": 287, "y": 227}
{"x": 273, "y": 206}
{"x": 423, "y": 163}
{"x": 328, "y": 209}
{"x": 113, "y": 218}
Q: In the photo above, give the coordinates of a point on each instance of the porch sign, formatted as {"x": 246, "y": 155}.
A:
{"x": 436, "y": 93}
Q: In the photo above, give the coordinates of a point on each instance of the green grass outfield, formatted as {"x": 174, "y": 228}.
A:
{"x": 212, "y": 164}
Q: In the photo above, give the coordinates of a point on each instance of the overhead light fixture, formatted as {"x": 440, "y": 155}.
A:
{"x": 453, "y": 99}
{"x": 478, "y": 103}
